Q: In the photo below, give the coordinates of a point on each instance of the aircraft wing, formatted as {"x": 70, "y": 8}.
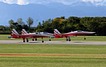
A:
{"x": 76, "y": 33}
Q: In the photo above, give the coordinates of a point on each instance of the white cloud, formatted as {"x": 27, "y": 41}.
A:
{"x": 39, "y": 1}
{"x": 19, "y": 2}
{"x": 65, "y": 2}
{"x": 93, "y": 1}
{"x": 8, "y": 1}
{"x": 96, "y": 2}
{"x": 22, "y": 2}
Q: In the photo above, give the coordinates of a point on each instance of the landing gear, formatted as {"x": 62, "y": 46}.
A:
{"x": 25, "y": 39}
{"x": 84, "y": 38}
{"x": 68, "y": 39}
{"x": 49, "y": 39}
{"x": 42, "y": 40}
{"x": 35, "y": 39}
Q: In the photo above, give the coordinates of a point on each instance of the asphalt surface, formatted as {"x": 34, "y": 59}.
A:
{"x": 54, "y": 42}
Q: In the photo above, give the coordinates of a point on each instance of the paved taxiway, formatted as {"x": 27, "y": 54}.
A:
{"x": 54, "y": 42}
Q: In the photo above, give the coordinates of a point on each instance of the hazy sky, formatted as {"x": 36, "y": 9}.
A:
{"x": 65, "y": 2}
{"x": 9, "y": 11}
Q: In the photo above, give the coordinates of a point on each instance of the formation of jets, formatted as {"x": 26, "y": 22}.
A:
{"x": 25, "y": 36}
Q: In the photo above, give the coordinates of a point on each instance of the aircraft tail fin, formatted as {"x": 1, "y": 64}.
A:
{"x": 14, "y": 34}
{"x": 57, "y": 34}
{"x": 56, "y": 31}
{"x": 24, "y": 31}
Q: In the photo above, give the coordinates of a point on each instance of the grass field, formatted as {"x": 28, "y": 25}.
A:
{"x": 52, "y": 55}
{"x": 4, "y": 37}
{"x": 28, "y": 55}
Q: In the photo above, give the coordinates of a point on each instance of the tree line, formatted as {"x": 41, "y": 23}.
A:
{"x": 72, "y": 23}
{"x": 18, "y": 25}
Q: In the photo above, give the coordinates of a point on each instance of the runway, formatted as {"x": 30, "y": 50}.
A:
{"x": 54, "y": 42}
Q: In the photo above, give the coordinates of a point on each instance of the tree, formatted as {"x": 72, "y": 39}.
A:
{"x": 20, "y": 24}
{"x": 102, "y": 29}
{"x": 29, "y": 22}
{"x": 11, "y": 22}
{"x": 20, "y": 21}
{"x": 95, "y": 24}
{"x": 47, "y": 26}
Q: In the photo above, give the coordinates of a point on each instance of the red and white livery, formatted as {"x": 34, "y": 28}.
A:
{"x": 57, "y": 34}
{"x": 24, "y": 35}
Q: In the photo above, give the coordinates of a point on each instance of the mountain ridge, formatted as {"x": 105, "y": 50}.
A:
{"x": 44, "y": 12}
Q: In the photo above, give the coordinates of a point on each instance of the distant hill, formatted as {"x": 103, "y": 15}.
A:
{"x": 43, "y": 12}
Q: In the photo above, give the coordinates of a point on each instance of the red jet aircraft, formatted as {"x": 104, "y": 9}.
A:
{"x": 26, "y": 35}
{"x": 57, "y": 34}
{"x": 37, "y": 35}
